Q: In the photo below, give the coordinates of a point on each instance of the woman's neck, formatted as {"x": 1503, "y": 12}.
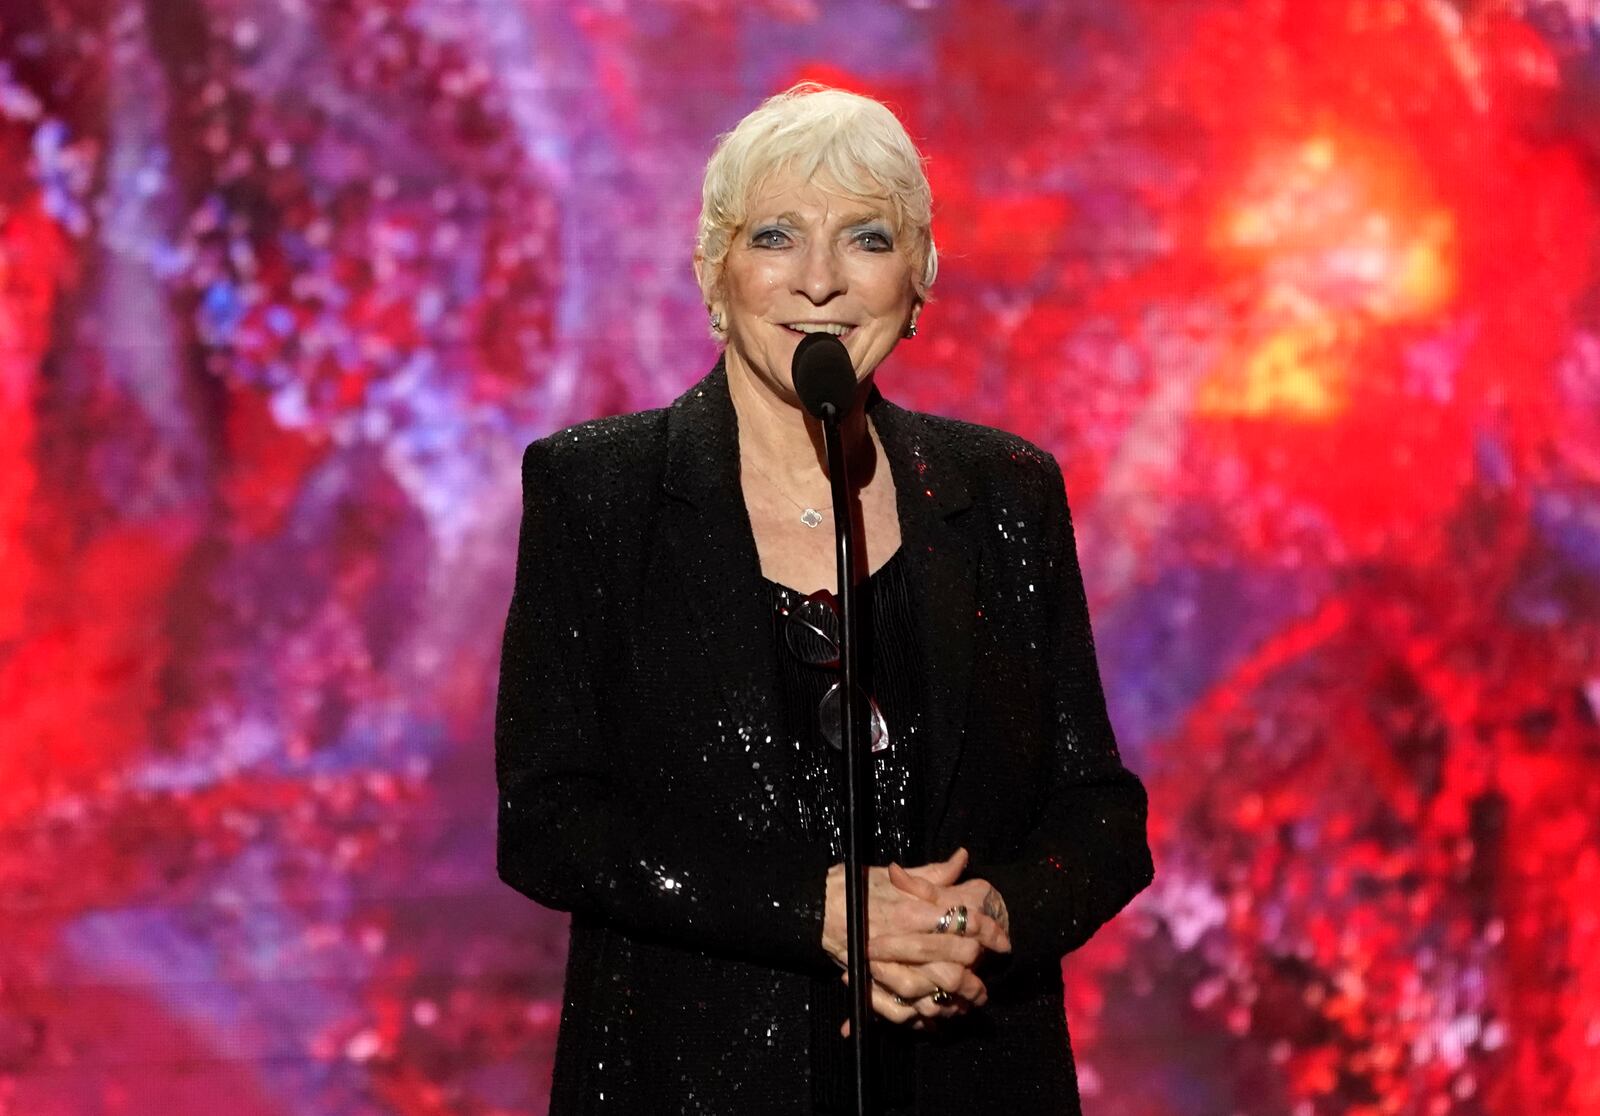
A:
{"x": 785, "y": 443}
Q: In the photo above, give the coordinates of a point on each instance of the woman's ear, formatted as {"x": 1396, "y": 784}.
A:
{"x": 702, "y": 276}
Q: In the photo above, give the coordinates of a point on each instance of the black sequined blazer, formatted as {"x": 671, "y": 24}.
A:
{"x": 641, "y": 787}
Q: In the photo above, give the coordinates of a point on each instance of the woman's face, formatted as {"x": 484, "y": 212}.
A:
{"x": 808, "y": 259}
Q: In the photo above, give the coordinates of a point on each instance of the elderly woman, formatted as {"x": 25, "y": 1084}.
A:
{"x": 666, "y": 737}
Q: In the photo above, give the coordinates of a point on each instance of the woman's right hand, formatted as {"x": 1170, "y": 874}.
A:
{"x": 909, "y": 960}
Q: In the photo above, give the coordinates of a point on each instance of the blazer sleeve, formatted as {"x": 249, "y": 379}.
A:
{"x": 578, "y": 834}
{"x": 1087, "y": 855}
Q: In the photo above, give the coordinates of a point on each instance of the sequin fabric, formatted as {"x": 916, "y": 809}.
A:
{"x": 889, "y": 656}
{"x": 646, "y": 787}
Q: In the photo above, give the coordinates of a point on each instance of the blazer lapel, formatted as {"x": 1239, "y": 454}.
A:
{"x": 707, "y": 550}
{"x": 942, "y": 558}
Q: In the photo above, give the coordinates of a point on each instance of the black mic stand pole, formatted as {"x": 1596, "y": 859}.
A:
{"x": 857, "y": 763}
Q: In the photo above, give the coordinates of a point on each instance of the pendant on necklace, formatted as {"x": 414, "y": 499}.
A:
{"x": 811, "y": 517}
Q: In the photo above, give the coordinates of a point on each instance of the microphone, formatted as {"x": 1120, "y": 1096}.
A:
{"x": 824, "y": 378}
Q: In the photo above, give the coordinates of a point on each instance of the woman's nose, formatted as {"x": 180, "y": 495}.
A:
{"x": 821, "y": 276}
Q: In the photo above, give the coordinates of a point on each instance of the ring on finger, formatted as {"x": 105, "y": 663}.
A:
{"x": 958, "y": 915}
{"x": 941, "y": 997}
{"x": 901, "y": 1000}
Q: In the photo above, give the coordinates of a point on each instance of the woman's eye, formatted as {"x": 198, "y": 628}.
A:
{"x": 874, "y": 241}
{"x": 770, "y": 238}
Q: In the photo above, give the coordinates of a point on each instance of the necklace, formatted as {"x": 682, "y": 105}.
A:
{"x": 811, "y": 517}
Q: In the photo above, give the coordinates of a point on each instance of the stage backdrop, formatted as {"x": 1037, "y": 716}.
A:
{"x": 1303, "y": 295}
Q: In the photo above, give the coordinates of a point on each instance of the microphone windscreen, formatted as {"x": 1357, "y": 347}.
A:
{"x": 823, "y": 374}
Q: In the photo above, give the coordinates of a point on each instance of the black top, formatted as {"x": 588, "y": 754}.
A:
{"x": 645, "y": 786}
{"x": 889, "y": 654}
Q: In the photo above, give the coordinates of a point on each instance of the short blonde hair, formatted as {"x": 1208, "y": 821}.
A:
{"x": 855, "y": 143}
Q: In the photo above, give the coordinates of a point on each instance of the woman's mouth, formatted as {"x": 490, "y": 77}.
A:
{"x": 838, "y": 329}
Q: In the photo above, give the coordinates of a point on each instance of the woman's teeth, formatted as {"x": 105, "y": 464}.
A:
{"x": 814, "y": 327}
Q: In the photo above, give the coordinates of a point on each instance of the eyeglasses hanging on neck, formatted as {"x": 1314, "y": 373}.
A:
{"x": 812, "y": 634}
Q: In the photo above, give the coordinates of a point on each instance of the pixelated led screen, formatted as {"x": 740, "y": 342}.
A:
{"x": 1303, "y": 295}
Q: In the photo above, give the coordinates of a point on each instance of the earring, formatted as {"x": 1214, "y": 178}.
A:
{"x": 716, "y": 322}
{"x": 911, "y": 329}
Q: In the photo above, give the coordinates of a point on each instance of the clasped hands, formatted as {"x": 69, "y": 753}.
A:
{"x": 918, "y": 973}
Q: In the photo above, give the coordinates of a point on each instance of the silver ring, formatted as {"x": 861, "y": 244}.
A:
{"x": 901, "y": 1000}
{"x": 961, "y": 922}
{"x": 941, "y": 997}
{"x": 943, "y": 924}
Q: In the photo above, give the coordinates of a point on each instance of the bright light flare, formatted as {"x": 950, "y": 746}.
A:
{"x": 1338, "y": 235}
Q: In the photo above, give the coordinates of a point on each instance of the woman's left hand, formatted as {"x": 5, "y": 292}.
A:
{"x": 974, "y": 894}
{"x": 903, "y": 988}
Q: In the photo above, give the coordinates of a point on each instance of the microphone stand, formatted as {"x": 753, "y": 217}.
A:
{"x": 858, "y": 767}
